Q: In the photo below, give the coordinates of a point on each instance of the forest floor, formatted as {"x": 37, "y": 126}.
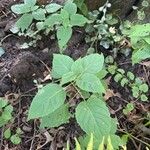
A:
{"x": 19, "y": 68}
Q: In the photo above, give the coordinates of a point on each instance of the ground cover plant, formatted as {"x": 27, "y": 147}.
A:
{"x": 73, "y": 78}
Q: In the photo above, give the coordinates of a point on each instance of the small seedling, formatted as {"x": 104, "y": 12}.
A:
{"x": 14, "y": 138}
{"x": 128, "y": 108}
{"x": 5, "y": 112}
{"x": 138, "y": 87}
{"x": 140, "y": 41}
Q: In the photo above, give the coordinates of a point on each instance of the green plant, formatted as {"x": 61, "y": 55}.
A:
{"x": 139, "y": 35}
{"x": 50, "y": 103}
{"x": 82, "y": 6}
{"x": 101, "y": 28}
{"x": 138, "y": 87}
{"x": 141, "y": 11}
{"x": 5, "y": 112}
{"x": 128, "y": 108}
{"x": 52, "y": 17}
{"x": 15, "y": 138}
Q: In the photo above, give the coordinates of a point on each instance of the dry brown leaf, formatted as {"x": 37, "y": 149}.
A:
{"x": 108, "y": 80}
{"x": 110, "y": 93}
{"x": 146, "y": 63}
{"x": 49, "y": 138}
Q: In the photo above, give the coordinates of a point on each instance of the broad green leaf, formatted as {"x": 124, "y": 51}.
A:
{"x": 34, "y": 8}
{"x": 68, "y": 77}
{"x": 24, "y": 22}
{"x": 93, "y": 117}
{"x": 141, "y": 54}
{"x": 114, "y": 123}
{"x": 139, "y": 30}
{"x": 65, "y": 18}
{"x": 82, "y": 6}
{"x": 114, "y": 142}
{"x": 21, "y": 8}
{"x": 77, "y": 67}
{"x": 90, "y": 83}
{"x": 84, "y": 9}
{"x": 55, "y": 119}
{"x": 79, "y": 3}
{"x": 92, "y": 63}
{"x": 63, "y": 36}
{"x": 53, "y": 20}
{"x": 102, "y": 74}
{"x": 30, "y": 2}
{"x": 70, "y": 7}
{"x": 78, "y": 20}
{"x": 61, "y": 65}
{"x": 39, "y": 14}
{"x": 53, "y": 7}
{"x": 46, "y": 101}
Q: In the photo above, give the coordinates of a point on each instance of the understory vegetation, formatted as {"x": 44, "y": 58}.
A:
{"x": 78, "y": 90}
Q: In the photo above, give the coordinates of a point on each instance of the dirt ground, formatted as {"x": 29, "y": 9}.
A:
{"x": 18, "y": 70}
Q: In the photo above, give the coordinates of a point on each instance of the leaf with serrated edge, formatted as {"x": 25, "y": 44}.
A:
{"x": 71, "y": 8}
{"x": 24, "y": 22}
{"x": 30, "y": 2}
{"x": 90, "y": 64}
{"x": 55, "y": 119}
{"x": 68, "y": 77}
{"x": 51, "y": 8}
{"x": 93, "y": 117}
{"x": 61, "y": 65}
{"x": 46, "y": 101}
{"x": 90, "y": 83}
{"x": 63, "y": 35}
{"x": 20, "y": 8}
{"x": 141, "y": 54}
{"x": 39, "y": 14}
{"x": 53, "y": 20}
{"x": 78, "y": 20}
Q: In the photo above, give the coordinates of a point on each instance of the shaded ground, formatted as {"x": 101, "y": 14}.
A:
{"x": 19, "y": 68}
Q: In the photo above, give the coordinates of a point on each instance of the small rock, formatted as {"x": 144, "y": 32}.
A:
{"x": 26, "y": 129}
